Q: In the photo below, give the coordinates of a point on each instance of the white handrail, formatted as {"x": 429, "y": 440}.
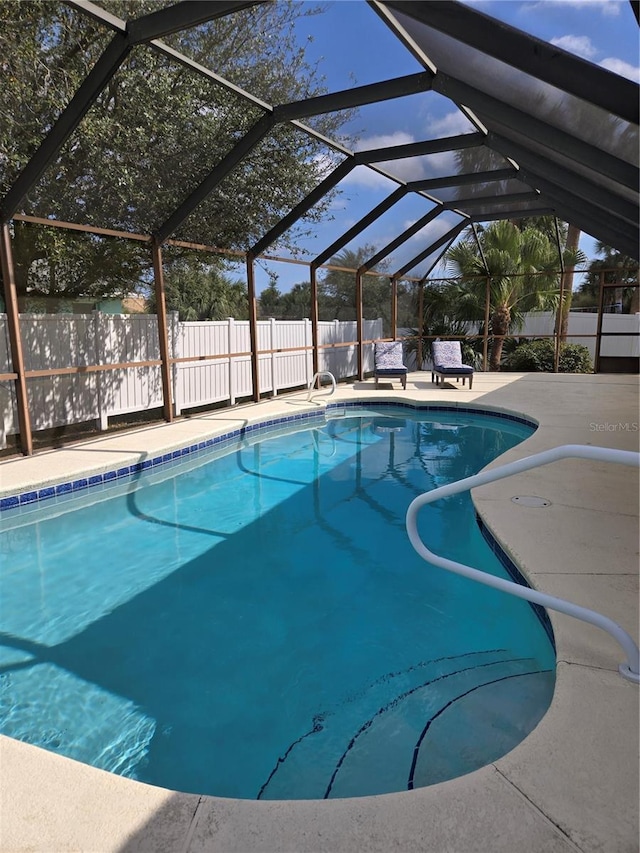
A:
{"x": 317, "y": 376}
{"x": 629, "y": 670}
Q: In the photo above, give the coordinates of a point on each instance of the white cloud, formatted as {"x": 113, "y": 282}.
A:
{"x": 451, "y": 124}
{"x": 407, "y": 169}
{"x": 363, "y": 176}
{"x": 606, "y": 7}
{"x": 400, "y": 137}
{"x": 432, "y": 230}
{"x": 624, "y": 69}
{"x": 580, "y": 45}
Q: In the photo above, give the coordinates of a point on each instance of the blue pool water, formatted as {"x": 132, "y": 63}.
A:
{"x": 257, "y": 624}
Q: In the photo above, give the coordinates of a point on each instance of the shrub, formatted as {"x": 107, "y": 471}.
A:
{"x": 538, "y": 356}
{"x": 575, "y": 358}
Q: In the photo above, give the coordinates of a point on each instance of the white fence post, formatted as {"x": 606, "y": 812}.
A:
{"x": 102, "y": 421}
{"x": 308, "y": 353}
{"x": 231, "y": 343}
{"x": 175, "y": 341}
{"x": 273, "y": 333}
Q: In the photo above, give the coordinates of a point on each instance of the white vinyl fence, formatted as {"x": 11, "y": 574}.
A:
{"x": 542, "y": 323}
{"x": 53, "y": 341}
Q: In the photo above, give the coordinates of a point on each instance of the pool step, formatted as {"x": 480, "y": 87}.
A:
{"x": 482, "y": 704}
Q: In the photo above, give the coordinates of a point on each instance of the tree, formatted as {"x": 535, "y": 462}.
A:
{"x": 269, "y": 300}
{"x": 200, "y": 290}
{"x": 157, "y": 129}
{"x": 617, "y": 269}
{"x": 443, "y": 314}
{"x": 522, "y": 268}
{"x": 339, "y": 288}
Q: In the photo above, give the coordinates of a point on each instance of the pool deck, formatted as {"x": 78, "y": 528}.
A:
{"x": 571, "y": 785}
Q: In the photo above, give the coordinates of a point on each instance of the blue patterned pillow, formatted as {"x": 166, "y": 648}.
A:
{"x": 389, "y": 354}
{"x": 447, "y": 354}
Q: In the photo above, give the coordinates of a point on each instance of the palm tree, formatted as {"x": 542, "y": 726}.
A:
{"x": 617, "y": 269}
{"x": 522, "y": 268}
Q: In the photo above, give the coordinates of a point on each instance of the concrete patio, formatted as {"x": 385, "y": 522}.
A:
{"x": 572, "y": 785}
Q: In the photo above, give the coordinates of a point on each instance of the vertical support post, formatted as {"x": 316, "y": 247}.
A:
{"x": 15, "y": 340}
{"x": 420, "y": 354}
{"x": 485, "y": 337}
{"x": 394, "y": 308}
{"x": 596, "y": 360}
{"x": 314, "y": 317}
{"x": 163, "y": 337}
{"x": 558, "y": 328}
{"x": 359, "y": 323}
{"x": 253, "y": 326}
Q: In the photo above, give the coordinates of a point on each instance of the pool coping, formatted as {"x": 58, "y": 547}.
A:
{"x": 571, "y": 785}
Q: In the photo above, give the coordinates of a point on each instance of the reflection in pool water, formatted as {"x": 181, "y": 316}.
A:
{"x": 259, "y": 625}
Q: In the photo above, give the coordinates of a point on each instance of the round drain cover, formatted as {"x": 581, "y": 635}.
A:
{"x": 530, "y": 500}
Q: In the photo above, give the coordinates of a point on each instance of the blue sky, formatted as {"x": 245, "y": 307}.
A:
{"x": 352, "y": 46}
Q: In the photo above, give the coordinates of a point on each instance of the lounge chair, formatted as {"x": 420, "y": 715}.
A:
{"x": 388, "y": 362}
{"x": 447, "y": 362}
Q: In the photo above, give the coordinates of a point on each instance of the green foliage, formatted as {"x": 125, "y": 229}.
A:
{"x": 338, "y": 288}
{"x": 538, "y": 356}
{"x": 201, "y": 291}
{"x": 616, "y": 269}
{"x": 155, "y": 131}
{"x": 574, "y": 358}
{"x": 521, "y": 265}
{"x": 443, "y": 315}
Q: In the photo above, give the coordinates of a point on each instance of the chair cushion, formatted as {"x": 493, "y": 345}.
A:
{"x": 461, "y": 369}
{"x": 388, "y": 354}
{"x": 391, "y": 371}
{"x": 447, "y": 353}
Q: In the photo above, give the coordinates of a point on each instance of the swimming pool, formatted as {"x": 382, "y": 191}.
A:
{"x": 259, "y": 625}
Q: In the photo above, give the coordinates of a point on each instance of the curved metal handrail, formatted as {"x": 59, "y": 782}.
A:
{"x": 629, "y": 670}
{"x": 317, "y": 376}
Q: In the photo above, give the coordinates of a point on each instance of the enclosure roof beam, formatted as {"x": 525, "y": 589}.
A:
{"x": 542, "y": 132}
{"x": 418, "y": 149}
{"x": 462, "y": 204}
{"x": 182, "y": 16}
{"x": 305, "y": 205}
{"x": 253, "y": 137}
{"x": 358, "y": 96}
{"x": 532, "y": 164}
{"x": 541, "y": 60}
{"x": 609, "y": 229}
{"x": 93, "y": 84}
{"x": 563, "y": 199}
{"x": 447, "y": 239}
{"x": 360, "y": 226}
{"x": 494, "y": 215}
{"x": 401, "y": 238}
{"x": 464, "y": 180}
{"x": 480, "y": 248}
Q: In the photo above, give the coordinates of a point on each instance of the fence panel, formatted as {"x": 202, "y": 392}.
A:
{"x": 202, "y": 382}
{"x": 63, "y": 341}
{"x": 582, "y": 323}
{"x": 8, "y": 404}
{"x": 53, "y": 341}
{"x": 122, "y": 338}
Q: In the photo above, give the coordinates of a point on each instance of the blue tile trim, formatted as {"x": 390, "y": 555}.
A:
{"x": 33, "y": 496}
{"x": 516, "y": 575}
